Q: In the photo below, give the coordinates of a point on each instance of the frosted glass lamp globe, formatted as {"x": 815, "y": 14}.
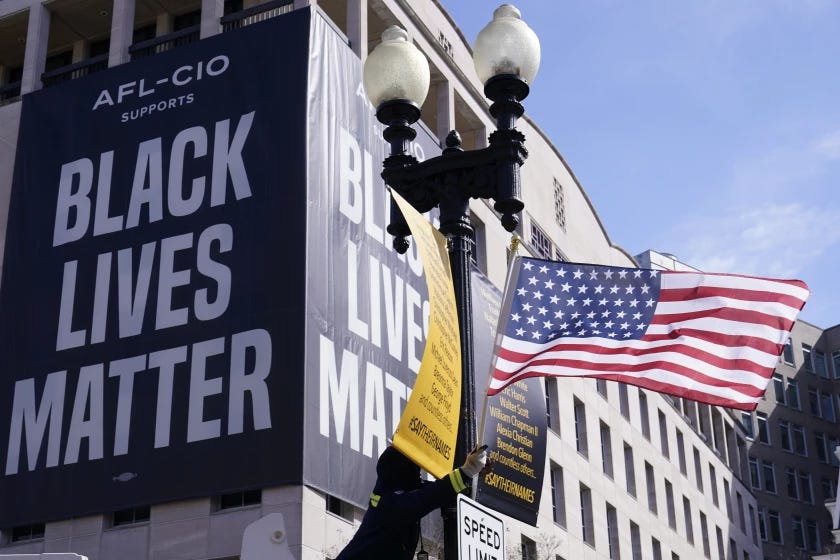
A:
{"x": 507, "y": 46}
{"x": 396, "y": 70}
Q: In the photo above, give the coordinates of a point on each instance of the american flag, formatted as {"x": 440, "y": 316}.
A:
{"x": 713, "y": 338}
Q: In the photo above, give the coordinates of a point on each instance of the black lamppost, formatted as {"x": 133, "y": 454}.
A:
{"x": 396, "y": 79}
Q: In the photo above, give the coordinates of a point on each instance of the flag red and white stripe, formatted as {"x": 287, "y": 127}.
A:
{"x": 714, "y": 338}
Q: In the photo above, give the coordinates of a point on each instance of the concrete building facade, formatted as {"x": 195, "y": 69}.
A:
{"x": 629, "y": 473}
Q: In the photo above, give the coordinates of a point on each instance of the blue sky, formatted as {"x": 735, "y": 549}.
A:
{"x": 709, "y": 129}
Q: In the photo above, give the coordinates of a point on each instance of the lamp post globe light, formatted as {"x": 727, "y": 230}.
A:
{"x": 396, "y": 80}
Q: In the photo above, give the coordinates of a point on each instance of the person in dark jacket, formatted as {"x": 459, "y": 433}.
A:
{"x": 390, "y": 528}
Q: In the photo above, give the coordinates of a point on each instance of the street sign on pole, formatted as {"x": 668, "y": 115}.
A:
{"x": 481, "y": 533}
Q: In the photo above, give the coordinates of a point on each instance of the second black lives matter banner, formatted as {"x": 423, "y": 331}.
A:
{"x": 515, "y": 425}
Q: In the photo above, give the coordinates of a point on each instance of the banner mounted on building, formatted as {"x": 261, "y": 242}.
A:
{"x": 428, "y": 428}
{"x": 515, "y": 426}
{"x": 367, "y": 308}
{"x": 151, "y": 309}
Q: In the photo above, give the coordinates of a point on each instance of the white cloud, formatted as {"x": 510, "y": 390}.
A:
{"x": 829, "y": 145}
{"x": 775, "y": 240}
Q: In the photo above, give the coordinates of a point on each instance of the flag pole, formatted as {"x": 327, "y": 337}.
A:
{"x": 514, "y": 252}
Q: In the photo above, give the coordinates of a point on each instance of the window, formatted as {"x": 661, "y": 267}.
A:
{"x": 779, "y": 388}
{"x": 587, "y": 524}
{"x": 835, "y": 361}
{"x": 689, "y": 525}
{"x": 791, "y": 483}
{"x": 815, "y": 401}
{"x": 623, "y": 400}
{"x": 528, "y": 548}
{"x": 187, "y": 20}
{"x": 713, "y": 484}
{"x": 828, "y": 486}
{"x": 27, "y": 532}
{"x": 635, "y": 541}
{"x": 552, "y": 406}
{"x": 663, "y": 436}
{"x": 719, "y": 534}
{"x": 752, "y": 525}
{"x": 612, "y": 533}
{"x": 558, "y": 495}
{"x": 339, "y": 507}
{"x": 784, "y": 436}
{"x": 787, "y": 353}
{"x": 739, "y": 500}
{"x": 656, "y": 547}
{"x": 580, "y": 428}
{"x": 143, "y": 33}
{"x": 629, "y": 470}
{"x": 98, "y": 48}
{"x": 59, "y": 60}
{"x": 478, "y": 255}
{"x": 698, "y": 470}
{"x": 798, "y": 530}
{"x": 799, "y": 440}
{"x": 792, "y": 393}
{"x": 651, "y": 487}
{"x": 807, "y": 363}
{"x": 769, "y": 476}
{"x": 727, "y": 496}
{"x": 733, "y": 549}
{"x": 704, "y": 534}
{"x": 822, "y": 451}
{"x": 541, "y": 242}
{"x": 762, "y": 525}
{"x": 746, "y": 421}
{"x": 812, "y": 535}
{"x": 239, "y": 499}
{"x": 606, "y": 450}
{"x": 832, "y": 458}
{"x": 763, "y": 431}
{"x": 130, "y": 516}
{"x": 681, "y": 453}
{"x": 819, "y": 364}
{"x": 774, "y": 522}
{"x": 827, "y": 407}
{"x": 559, "y": 205}
{"x": 669, "y": 501}
{"x": 755, "y": 479}
{"x": 643, "y": 414}
{"x": 805, "y": 490}
{"x": 601, "y": 387}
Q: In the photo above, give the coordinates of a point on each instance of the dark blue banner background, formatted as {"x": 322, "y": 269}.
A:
{"x": 99, "y": 438}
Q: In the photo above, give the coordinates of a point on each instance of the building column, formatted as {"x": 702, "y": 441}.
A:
{"x": 211, "y": 17}
{"x": 445, "y": 98}
{"x": 357, "y": 27}
{"x": 80, "y": 50}
{"x": 164, "y": 23}
{"x": 35, "y": 55}
{"x": 122, "y": 32}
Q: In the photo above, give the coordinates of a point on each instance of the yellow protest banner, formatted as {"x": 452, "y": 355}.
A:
{"x": 428, "y": 427}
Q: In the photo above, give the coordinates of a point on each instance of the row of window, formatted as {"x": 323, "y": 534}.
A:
{"x": 140, "y": 514}
{"x": 587, "y": 528}
{"x": 792, "y": 437}
{"x": 804, "y": 532}
{"x": 582, "y": 443}
{"x": 821, "y": 404}
{"x": 813, "y": 361}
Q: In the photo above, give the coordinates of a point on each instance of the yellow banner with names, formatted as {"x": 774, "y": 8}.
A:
{"x": 428, "y": 427}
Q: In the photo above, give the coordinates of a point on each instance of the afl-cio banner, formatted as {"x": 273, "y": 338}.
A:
{"x": 429, "y": 425}
{"x": 151, "y": 323}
